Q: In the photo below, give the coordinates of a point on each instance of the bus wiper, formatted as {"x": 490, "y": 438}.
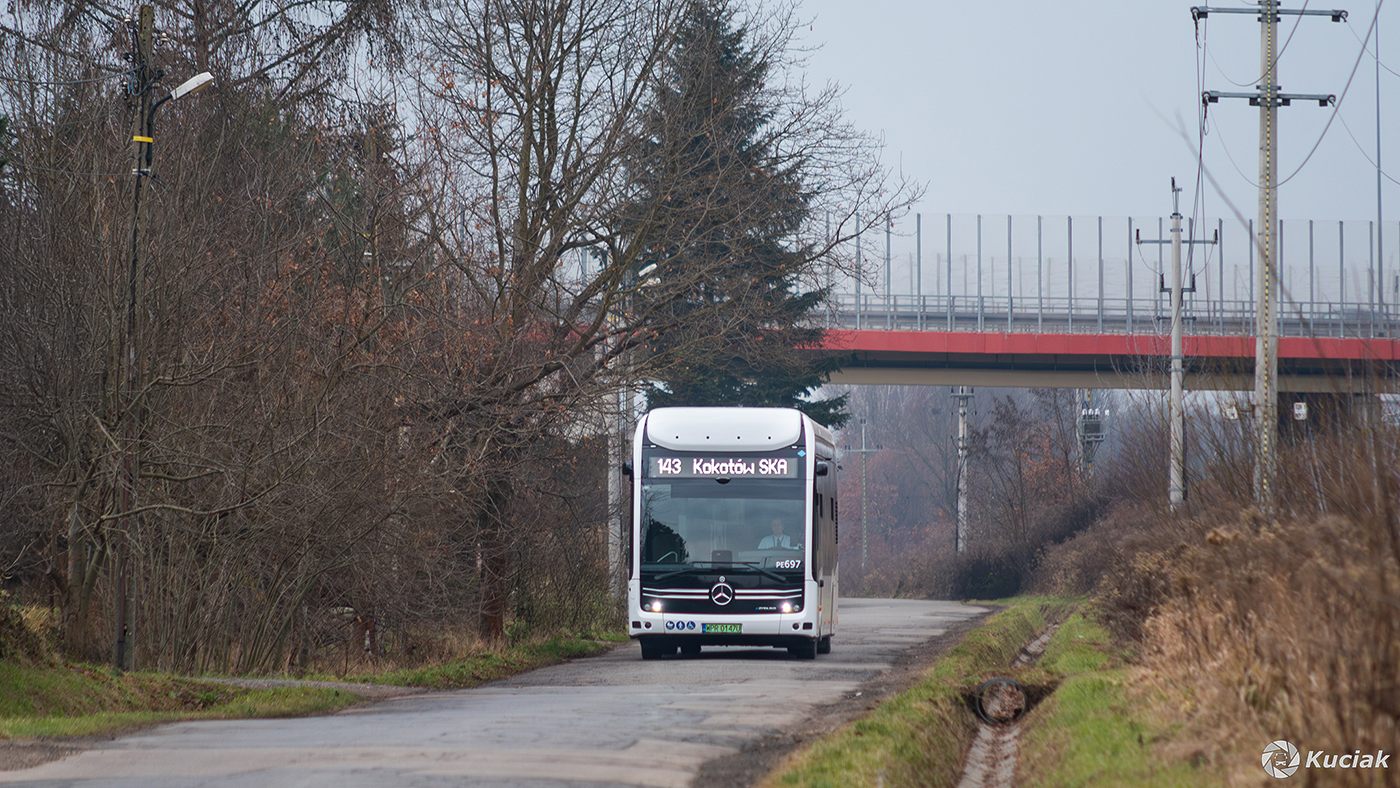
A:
{"x": 695, "y": 569}
{"x": 759, "y": 568}
{"x": 676, "y": 573}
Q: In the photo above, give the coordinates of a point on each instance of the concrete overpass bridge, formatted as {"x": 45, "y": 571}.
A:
{"x": 1052, "y": 301}
{"x": 1102, "y": 361}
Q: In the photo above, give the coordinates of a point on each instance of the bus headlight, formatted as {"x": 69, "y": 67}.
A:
{"x": 787, "y": 607}
{"x": 656, "y": 606}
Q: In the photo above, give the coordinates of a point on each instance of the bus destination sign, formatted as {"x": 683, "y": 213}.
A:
{"x": 724, "y": 467}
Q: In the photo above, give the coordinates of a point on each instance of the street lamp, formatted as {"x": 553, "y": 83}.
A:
{"x": 128, "y": 489}
{"x": 194, "y": 84}
{"x": 189, "y": 87}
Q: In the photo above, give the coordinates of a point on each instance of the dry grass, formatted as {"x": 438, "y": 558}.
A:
{"x": 919, "y": 737}
{"x": 1253, "y": 628}
{"x": 1285, "y": 631}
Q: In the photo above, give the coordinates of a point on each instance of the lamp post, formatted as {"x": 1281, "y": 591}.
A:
{"x": 144, "y": 152}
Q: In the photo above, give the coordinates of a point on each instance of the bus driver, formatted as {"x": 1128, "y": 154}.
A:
{"x": 778, "y": 540}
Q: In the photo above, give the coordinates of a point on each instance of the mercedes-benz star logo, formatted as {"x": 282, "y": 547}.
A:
{"x": 721, "y": 594}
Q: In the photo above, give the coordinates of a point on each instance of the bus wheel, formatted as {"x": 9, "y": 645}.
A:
{"x": 652, "y": 649}
{"x": 806, "y": 650}
{"x": 690, "y": 649}
{"x": 824, "y": 645}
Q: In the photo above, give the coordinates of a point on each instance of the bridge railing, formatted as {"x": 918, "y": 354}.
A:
{"x": 1094, "y": 315}
{"x": 1088, "y": 274}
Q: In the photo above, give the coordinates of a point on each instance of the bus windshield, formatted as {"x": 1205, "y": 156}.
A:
{"x": 758, "y": 522}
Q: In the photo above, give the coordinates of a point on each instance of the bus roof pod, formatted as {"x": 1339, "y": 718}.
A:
{"x": 745, "y": 429}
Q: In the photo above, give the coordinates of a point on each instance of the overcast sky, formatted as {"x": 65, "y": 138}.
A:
{"x": 1070, "y": 108}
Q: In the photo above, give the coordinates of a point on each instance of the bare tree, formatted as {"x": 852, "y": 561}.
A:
{"x": 365, "y": 349}
{"x": 264, "y": 343}
{"x": 298, "y": 52}
{"x": 530, "y": 114}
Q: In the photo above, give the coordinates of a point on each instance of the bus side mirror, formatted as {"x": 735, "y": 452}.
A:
{"x": 626, "y": 469}
{"x": 823, "y": 469}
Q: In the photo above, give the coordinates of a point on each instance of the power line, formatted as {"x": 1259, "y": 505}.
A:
{"x": 1369, "y": 160}
{"x": 1336, "y": 108}
{"x": 1363, "y": 43}
{"x": 1277, "y": 57}
{"x": 22, "y": 165}
{"x": 1337, "y": 105}
{"x": 1234, "y": 164}
{"x": 22, "y": 81}
{"x": 1221, "y": 69}
{"x": 1198, "y": 198}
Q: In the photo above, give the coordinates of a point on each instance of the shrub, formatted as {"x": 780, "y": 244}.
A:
{"x": 18, "y": 641}
{"x": 986, "y": 575}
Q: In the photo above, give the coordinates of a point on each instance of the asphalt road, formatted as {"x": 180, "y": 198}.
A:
{"x": 611, "y": 720}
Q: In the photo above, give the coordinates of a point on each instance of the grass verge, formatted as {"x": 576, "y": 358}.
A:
{"x": 918, "y": 737}
{"x": 1093, "y": 731}
{"x": 83, "y": 700}
{"x": 41, "y": 697}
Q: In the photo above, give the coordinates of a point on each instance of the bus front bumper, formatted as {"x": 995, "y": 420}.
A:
{"x": 716, "y": 630}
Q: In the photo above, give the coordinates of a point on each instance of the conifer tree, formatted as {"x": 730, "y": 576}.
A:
{"x": 725, "y": 200}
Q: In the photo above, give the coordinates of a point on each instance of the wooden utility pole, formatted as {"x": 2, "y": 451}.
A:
{"x": 143, "y": 77}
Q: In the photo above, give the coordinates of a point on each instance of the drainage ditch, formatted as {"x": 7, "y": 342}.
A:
{"x": 1000, "y": 703}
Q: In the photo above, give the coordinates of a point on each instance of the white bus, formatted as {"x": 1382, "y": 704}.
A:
{"x": 734, "y": 531}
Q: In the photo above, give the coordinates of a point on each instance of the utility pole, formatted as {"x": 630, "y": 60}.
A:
{"x": 962, "y": 394}
{"x": 143, "y": 77}
{"x": 860, "y": 272}
{"x": 832, "y": 306}
{"x": 620, "y": 431}
{"x": 863, "y": 451}
{"x": 1380, "y": 214}
{"x": 1176, "y": 484}
{"x": 619, "y": 458}
{"x": 889, "y": 299}
{"x": 1268, "y": 98}
{"x": 919, "y": 268}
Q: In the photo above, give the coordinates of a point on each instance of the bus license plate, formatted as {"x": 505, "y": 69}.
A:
{"x": 728, "y": 628}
